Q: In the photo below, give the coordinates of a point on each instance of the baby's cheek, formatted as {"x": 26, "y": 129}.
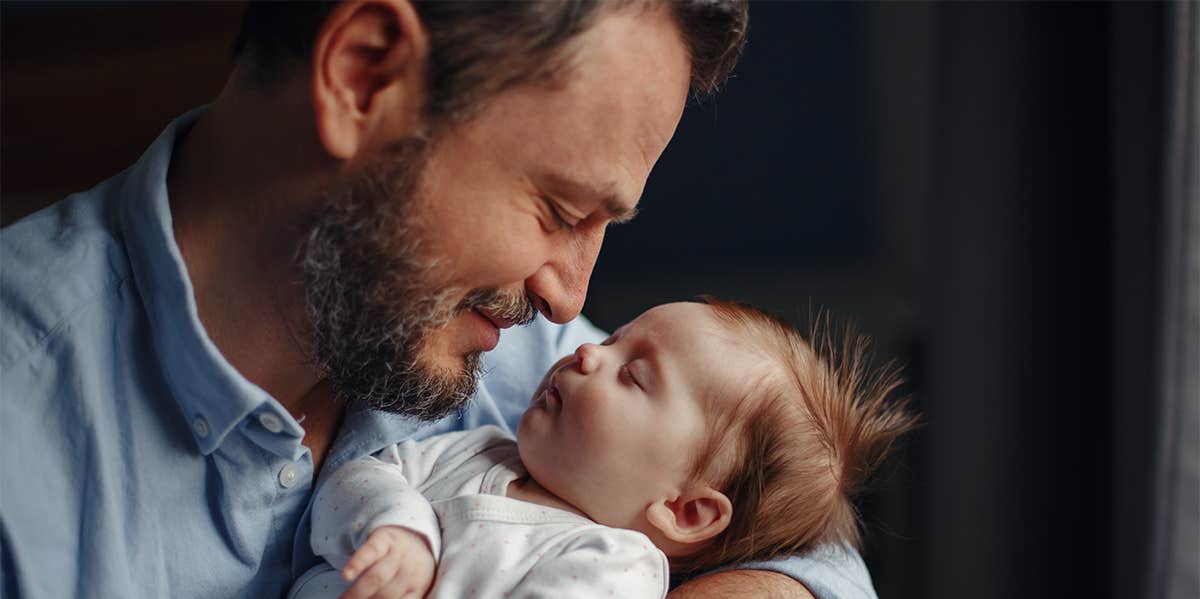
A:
{"x": 588, "y": 425}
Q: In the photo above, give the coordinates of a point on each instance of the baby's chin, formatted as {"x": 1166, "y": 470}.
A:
{"x": 520, "y": 432}
{"x": 523, "y": 432}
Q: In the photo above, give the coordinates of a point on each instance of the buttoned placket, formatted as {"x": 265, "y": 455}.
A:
{"x": 289, "y": 475}
{"x": 295, "y": 467}
{"x": 270, "y": 422}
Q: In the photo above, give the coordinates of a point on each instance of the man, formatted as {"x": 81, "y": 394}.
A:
{"x": 293, "y": 276}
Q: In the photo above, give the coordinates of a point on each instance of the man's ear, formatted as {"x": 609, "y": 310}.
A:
{"x": 368, "y": 80}
{"x": 697, "y": 515}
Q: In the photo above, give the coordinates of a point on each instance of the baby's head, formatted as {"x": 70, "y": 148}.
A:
{"x": 715, "y": 429}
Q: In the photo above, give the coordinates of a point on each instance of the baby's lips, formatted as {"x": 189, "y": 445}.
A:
{"x": 539, "y": 399}
{"x": 543, "y": 385}
{"x": 541, "y": 390}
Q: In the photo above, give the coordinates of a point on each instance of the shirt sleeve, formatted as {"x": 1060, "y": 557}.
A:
{"x": 599, "y": 563}
{"x": 828, "y": 572}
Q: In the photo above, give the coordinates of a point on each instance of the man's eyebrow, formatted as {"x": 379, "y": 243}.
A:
{"x": 618, "y": 211}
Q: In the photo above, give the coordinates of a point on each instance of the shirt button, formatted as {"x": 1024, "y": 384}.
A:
{"x": 270, "y": 422}
{"x": 200, "y": 425}
{"x": 289, "y": 475}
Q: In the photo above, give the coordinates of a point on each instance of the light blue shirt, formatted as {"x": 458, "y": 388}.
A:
{"x": 135, "y": 461}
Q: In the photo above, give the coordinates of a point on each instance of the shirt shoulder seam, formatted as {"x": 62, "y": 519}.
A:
{"x": 113, "y": 285}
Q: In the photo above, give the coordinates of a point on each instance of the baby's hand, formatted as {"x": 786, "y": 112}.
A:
{"x": 393, "y": 563}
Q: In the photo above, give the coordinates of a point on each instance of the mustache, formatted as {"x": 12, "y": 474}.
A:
{"x": 513, "y": 306}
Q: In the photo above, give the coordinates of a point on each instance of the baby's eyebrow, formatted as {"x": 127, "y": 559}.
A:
{"x": 613, "y": 335}
{"x": 652, "y": 356}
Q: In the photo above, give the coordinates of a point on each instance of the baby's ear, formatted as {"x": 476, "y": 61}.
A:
{"x": 697, "y": 515}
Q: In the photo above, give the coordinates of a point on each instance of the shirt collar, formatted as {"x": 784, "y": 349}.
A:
{"x": 212, "y": 394}
{"x": 365, "y": 431}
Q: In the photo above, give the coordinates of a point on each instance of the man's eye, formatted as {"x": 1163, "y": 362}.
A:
{"x": 559, "y": 220}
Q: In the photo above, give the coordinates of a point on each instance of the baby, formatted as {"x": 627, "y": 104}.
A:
{"x": 698, "y": 435}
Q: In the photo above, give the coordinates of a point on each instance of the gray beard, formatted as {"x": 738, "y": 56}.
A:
{"x": 371, "y": 301}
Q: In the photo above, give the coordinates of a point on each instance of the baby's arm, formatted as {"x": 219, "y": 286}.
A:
{"x": 370, "y": 521}
{"x": 363, "y": 496}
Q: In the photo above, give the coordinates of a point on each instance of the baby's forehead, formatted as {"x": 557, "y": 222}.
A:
{"x": 667, "y": 311}
{"x": 688, "y": 326}
{"x": 727, "y": 353}
{"x": 675, "y": 317}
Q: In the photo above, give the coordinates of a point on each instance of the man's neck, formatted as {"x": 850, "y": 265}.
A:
{"x": 239, "y": 191}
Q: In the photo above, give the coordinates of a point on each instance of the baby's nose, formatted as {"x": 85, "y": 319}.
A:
{"x": 585, "y": 356}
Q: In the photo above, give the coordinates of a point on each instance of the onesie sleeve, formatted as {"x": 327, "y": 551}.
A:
{"x": 364, "y": 495}
{"x": 599, "y": 563}
{"x": 384, "y": 490}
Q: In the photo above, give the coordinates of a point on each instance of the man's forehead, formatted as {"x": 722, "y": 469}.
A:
{"x": 596, "y": 136}
{"x": 626, "y": 94}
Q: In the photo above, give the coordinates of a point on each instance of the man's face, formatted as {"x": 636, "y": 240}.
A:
{"x": 504, "y": 213}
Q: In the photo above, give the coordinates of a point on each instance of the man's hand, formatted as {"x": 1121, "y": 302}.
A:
{"x": 761, "y": 584}
{"x": 394, "y": 563}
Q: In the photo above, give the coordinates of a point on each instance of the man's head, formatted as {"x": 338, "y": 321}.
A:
{"x": 481, "y": 149}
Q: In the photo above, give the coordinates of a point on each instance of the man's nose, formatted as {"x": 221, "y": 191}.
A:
{"x": 587, "y": 358}
{"x": 560, "y": 286}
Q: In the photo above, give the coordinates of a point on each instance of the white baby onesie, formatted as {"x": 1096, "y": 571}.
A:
{"x": 450, "y": 489}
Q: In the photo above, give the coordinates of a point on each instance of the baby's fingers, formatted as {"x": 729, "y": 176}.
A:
{"x": 378, "y": 576}
{"x": 370, "y": 552}
{"x": 399, "y": 588}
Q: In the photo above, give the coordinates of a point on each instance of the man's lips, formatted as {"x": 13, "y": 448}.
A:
{"x": 497, "y": 321}
{"x": 489, "y": 337}
{"x": 489, "y": 333}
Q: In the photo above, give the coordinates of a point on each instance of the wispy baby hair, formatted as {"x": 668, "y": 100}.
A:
{"x": 798, "y": 441}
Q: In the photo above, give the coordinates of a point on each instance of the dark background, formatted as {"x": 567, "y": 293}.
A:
{"x": 975, "y": 185}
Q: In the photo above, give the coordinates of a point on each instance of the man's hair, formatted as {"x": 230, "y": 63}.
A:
{"x": 481, "y": 47}
{"x": 796, "y": 442}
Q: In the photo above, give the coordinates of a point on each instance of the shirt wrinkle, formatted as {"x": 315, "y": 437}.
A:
{"x": 34, "y": 350}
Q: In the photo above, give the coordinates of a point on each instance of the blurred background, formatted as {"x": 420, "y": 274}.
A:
{"x": 1003, "y": 196}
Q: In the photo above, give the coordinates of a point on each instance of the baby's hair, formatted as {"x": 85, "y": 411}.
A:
{"x": 797, "y": 445}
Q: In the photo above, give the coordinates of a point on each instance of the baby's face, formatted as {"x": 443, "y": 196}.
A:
{"x": 616, "y": 426}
